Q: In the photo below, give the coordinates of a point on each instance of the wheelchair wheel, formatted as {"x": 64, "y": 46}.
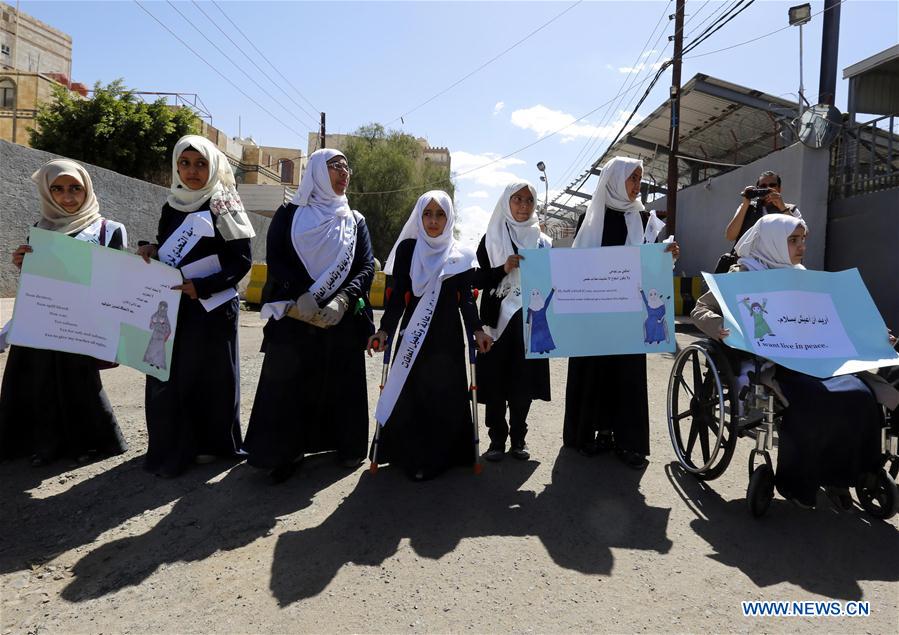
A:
{"x": 700, "y": 402}
{"x": 760, "y": 492}
{"x": 878, "y": 494}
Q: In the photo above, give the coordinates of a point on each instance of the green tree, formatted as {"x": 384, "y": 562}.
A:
{"x": 388, "y": 177}
{"x": 114, "y": 129}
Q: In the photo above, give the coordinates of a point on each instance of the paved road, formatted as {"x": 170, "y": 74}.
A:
{"x": 561, "y": 543}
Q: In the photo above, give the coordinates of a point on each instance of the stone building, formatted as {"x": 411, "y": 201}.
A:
{"x": 29, "y": 45}
{"x": 436, "y": 156}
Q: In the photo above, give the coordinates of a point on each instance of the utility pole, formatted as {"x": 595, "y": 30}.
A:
{"x": 15, "y": 65}
{"x": 321, "y": 133}
{"x": 671, "y": 198}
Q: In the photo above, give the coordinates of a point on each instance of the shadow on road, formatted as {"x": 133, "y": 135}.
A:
{"x": 218, "y": 516}
{"x": 590, "y": 506}
{"x": 821, "y": 550}
{"x": 35, "y": 530}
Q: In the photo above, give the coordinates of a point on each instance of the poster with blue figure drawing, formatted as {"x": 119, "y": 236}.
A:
{"x": 816, "y": 322}
{"x": 603, "y": 301}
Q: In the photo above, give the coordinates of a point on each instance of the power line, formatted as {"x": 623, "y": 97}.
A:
{"x": 758, "y": 37}
{"x": 702, "y": 38}
{"x": 732, "y": 12}
{"x": 217, "y": 71}
{"x": 235, "y": 64}
{"x": 591, "y": 141}
{"x": 514, "y": 152}
{"x": 262, "y": 55}
{"x": 580, "y": 180}
{"x": 312, "y": 117}
{"x": 484, "y": 65}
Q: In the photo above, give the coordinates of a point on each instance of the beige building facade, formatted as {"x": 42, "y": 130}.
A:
{"x": 29, "y": 45}
{"x": 436, "y": 156}
{"x": 20, "y": 96}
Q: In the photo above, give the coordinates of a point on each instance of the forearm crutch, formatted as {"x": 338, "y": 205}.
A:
{"x": 473, "y": 388}
{"x": 385, "y": 367}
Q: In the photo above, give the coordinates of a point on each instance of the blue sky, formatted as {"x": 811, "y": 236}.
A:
{"x": 375, "y": 61}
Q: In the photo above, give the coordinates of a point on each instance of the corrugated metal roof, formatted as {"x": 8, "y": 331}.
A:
{"x": 722, "y": 125}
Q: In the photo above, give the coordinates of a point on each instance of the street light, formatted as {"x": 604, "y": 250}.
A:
{"x": 799, "y": 15}
{"x": 542, "y": 167}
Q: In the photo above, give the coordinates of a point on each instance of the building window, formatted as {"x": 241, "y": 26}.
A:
{"x": 286, "y": 169}
{"x": 7, "y": 93}
{"x": 4, "y": 48}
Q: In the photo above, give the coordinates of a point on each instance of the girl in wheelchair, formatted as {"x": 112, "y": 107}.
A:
{"x": 830, "y": 429}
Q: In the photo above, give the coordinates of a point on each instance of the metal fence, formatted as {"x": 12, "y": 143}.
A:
{"x": 865, "y": 158}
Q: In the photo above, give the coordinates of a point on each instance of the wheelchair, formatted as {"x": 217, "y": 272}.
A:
{"x": 708, "y": 412}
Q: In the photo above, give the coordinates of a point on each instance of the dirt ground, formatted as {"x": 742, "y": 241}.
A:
{"x": 560, "y": 543}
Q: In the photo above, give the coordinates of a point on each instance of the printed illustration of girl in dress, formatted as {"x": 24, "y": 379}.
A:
{"x": 655, "y": 328}
{"x": 161, "y": 330}
{"x": 540, "y": 339}
{"x": 757, "y": 312}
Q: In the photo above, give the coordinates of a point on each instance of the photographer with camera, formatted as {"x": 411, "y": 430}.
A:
{"x": 763, "y": 198}
{"x": 757, "y": 201}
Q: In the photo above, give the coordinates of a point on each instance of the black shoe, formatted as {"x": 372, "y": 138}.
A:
{"x": 604, "y": 442}
{"x": 495, "y": 453}
{"x": 589, "y": 449}
{"x": 632, "y": 459}
{"x": 282, "y": 473}
{"x": 520, "y": 452}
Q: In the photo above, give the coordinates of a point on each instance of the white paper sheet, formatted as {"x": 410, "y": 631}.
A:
{"x": 206, "y": 267}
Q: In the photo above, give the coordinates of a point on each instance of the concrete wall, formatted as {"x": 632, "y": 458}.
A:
{"x": 130, "y": 201}
{"x": 863, "y": 232}
{"x": 705, "y": 209}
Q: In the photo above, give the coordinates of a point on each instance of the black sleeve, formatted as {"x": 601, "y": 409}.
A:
{"x": 402, "y": 282}
{"x": 163, "y": 217}
{"x": 485, "y": 276}
{"x": 276, "y": 244}
{"x": 236, "y": 259}
{"x": 360, "y": 284}
{"x": 467, "y": 305}
{"x": 115, "y": 241}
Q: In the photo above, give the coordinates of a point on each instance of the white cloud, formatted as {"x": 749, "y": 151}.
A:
{"x": 493, "y": 171}
{"x": 472, "y": 223}
{"x": 543, "y": 121}
{"x": 499, "y": 106}
{"x": 478, "y": 194}
{"x": 639, "y": 67}
{"x": 648, "y": 53}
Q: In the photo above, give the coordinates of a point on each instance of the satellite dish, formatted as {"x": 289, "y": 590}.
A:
{"x": 819, "y": 126}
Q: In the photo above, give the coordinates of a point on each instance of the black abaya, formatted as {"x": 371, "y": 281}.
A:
{"x": 430, "y": 429}
{"x": 52, "y": 404}
{"x": 608, "y": 392}
{"x": 197, "y": 411}
{"x": 828, "y": 436}
{"x": 312, "y": 393}
{"x": 504, "y": 375}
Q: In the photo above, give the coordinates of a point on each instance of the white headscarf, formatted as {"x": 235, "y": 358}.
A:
{"x": 611, "y": 191}
{"x": 323, "y": 225}
{"x": 55, "y": 217}
{"x": 433, "y": 260}
{"x": 431, "y": 254}
{"x": 220, "y": 189}
{"x": 764, "y": 246}
{"x": 503, "y": 231}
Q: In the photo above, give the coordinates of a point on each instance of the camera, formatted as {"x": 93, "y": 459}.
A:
{"x": 757, "y": 192}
